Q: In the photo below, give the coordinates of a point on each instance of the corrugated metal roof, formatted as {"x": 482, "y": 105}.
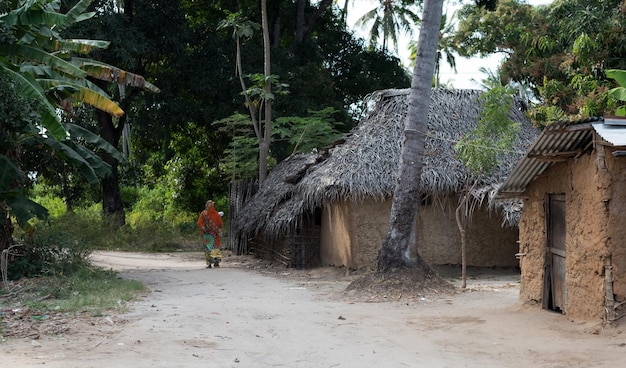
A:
{"x": 557, "y": 141}
{"x": 612, "y": 130}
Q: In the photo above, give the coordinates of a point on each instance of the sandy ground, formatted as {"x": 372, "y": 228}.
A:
{"x": 244, "y": 315}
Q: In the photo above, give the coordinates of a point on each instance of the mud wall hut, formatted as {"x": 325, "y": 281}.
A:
{"x": 347, "y": 189}
{"x": 573, "y": 228}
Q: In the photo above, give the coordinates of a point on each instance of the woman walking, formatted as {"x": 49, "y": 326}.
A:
{"x": 210, "y": 223}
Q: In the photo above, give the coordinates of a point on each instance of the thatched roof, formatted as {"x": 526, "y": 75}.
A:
{"x": 365, "y": 163}
{"x": 273, "y": 202}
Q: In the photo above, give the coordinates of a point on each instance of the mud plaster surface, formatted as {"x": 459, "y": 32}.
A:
{"x": 360, "y": 226}
{"x": 595, "y": 223}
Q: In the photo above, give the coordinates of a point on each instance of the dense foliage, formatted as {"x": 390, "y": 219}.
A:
{"x": 180, "y": 45}
{"x": 560, "y": 50}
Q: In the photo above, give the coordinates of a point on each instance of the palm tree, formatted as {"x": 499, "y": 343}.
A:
{"x": 344, "y": 12}
{"x": 394, "y": 252}
{"x": 494, "y": 80}
{"x": 389, "y": 18}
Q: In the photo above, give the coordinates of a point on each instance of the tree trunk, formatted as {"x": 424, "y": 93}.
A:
{"x": 6, "y": 225}
{"x": 461, "y": 225}
{"x": 300, "y": 24}
{"x": 65, "y": 191}
{"x": 6, "y": 228}
{"x": 111, "y": 196}
{"x": 304, "y": 26}
{"x": 264, "y": 144}
{"x": 396, "y": 248}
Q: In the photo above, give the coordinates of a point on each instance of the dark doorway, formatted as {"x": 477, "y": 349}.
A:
{"x": 554, "y": 288}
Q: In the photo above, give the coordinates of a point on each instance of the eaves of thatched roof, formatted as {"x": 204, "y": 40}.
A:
{"x": 273, "y": 209}
{"x": 365, "y": 164}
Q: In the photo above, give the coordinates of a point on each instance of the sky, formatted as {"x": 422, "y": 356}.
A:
{"x": 467, "y": 69}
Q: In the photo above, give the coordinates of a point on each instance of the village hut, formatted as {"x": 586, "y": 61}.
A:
{"x": 345, "y": 192}
{"x": 572, "y": 228}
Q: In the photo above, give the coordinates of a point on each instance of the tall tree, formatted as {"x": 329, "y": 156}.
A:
{"x": 481, "y": 151}
{"x": 261, "y": 112}
{"x": 395, "y": 250}
{"x": 266, "y": 136}
{"x": 111, "y": 127}
{"x": 304, "y": 26}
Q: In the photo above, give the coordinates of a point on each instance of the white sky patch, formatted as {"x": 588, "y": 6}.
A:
{"x": 468, "y": 70}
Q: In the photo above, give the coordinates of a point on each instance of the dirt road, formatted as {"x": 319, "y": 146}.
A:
{"x": 241, "y": 316}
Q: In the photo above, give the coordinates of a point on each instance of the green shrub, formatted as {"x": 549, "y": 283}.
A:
{"x": 49, "y": 249}
{"x": 130, "y": 196}
{"x": 54, "y": 205}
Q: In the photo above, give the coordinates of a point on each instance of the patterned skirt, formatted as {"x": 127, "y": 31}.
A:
{"x": 211, "y": 251}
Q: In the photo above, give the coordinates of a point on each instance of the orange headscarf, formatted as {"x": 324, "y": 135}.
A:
{"x": 210, "y": 222}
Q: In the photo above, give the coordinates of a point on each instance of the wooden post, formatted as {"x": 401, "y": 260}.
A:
{"x": 609, "y": 303}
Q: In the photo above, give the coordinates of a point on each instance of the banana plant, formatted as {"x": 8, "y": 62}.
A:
{"x": 39, "y": 53}
{"x": 44, "y": 68}
{"x": 619, "y": 93}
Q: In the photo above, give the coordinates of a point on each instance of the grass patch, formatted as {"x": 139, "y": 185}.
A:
{"x": 54, "y": 304}
{"x": 91, "y": 290}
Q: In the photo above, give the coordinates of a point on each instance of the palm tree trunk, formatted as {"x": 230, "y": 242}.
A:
{"x": 401, "y": 237}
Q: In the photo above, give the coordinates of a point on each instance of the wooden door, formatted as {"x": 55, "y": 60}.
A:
{"x": 555, "y": 289}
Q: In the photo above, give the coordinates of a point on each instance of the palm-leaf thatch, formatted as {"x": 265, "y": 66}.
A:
{"x": 273, "y": 204}
{"x": 364, "y": 164}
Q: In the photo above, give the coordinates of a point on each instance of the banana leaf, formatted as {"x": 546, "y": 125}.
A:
{"x": 619, "y": 93}
{"x": 20, "y": 15}
{"x": 24, "y": 209}
{"x": 9, "y": 175}
{"x": 39, "y": 56}
{"x": 20, "y": 206}
{"x": 95, "y": 140}
{"x": 67, "y": 153}
{"x": 81, "y": 46}
{"x": 77, "y": 13}
{"x": 27, "y": 86}
{"x": 99, "y": 101}
{"x": 97, "y": 164}
{"x": 618, "y": 75}
{"x": 78, "y": 91}
{"x": 111, "y": 73}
